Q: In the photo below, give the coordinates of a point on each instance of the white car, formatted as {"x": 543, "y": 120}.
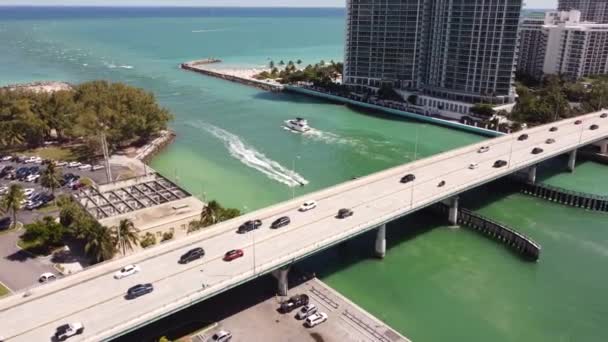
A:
{"x": 60, "y": 163}
{"x": 32, "y": 178}
{"x": 126, "y": 271}
{"x": 473, "y": 166}
{"x": 28, "y": 192}
{"x": 97, "y": 167}
{"x": 7, "y": 158}
{"x": 316, "y": 319}
{"x": 46, "y": 277}
{"x": 74, "y": 164}
{"x": 66, "y": 331}
{"x": 30, "y": 160}
{"x": 3, "y": 190}
{"x": 483, "y": 149}
{"x": 308, "y": 205}
{"x": 221, "y": 336}
{"x": 84, "y": 167}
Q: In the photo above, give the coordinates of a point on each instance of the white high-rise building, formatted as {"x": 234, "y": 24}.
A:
{"x": 566, "y": 46}
{"x": 452, "y": 53}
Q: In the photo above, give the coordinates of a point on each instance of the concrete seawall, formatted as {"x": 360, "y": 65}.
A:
{"x": 567, "y": 197}
{"x": 418, "y": 117}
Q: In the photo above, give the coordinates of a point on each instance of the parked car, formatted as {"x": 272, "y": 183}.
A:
{"x": 233, "y": 254}
{"x": 74, "y": 164}
{"x": 344, "y": 213}
{"x": 408, "y": 178}
{"x": 316, "y": 319}
{"x": 97, "y": 167}
{"x": 500, "y": 163}
{"x": 308, "y": 205}
{"x": 63, "y": 332}
{"x": 6, "y": 170}
{"x": 139, "y": 290}
{"x": 306, "y": 311}
{"x": 5, "y": 223}
{"x": 604, "y": 115}
{"x": 550, "y": 141}
{"x": 483, "y": 149}
{"x": 84, "y": 167}
{"x": 7, "y": 158}
{"x": 46, "y": 277}
{"x": 553, "y": 129}
{"x": 32, "y": 205}
{"x": 32, "y": 160}
{"x": 191, "y": 255}
{"x": 28, "y": 192}
{"x": 126, "y": 271}
{"x": 22, "y": 173}
{"x": 77, "y": 185}
{"x": 32, "y": 177}
{"x": 221, "y": 336}
{"x": 537, "y": 150}
{"x": 473, "y": 166}
{"x": 523, "y": 137}
{"x": 280, "y": 222}
{"x": 60, "y": 163}
{"x": 249, "y": 226}
{"x": 594, "y": 127}
{"x": 294, "y": 303}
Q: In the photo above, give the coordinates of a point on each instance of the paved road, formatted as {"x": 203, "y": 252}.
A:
{"x": 18, "y": 269}
{"x": 94, "y": 298}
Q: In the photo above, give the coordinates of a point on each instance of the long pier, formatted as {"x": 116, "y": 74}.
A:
{"x": 199, "y": 67}
{"x": 567, "y": 197}
{"x": 517, "y": 242}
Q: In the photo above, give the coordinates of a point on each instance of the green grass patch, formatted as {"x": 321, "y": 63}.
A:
{"x": 54, "y": 153}
{"x": 35, "y": 247}
{"x": 49, "y": 208}
{"x": 3, "y": 290}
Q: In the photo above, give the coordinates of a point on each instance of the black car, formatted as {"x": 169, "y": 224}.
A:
{"x": 604, "y": 115}
{"x": 441, "y": 184}
{"x": 553, "y": 129}
{"x": 191, "y": 255}
{"x": 500, "y": 163}
{"x": 139, "y": 290}
{"x": 249, "y": 226}
{"x": 6, "y": 170}
{"x": 537, "y": 150}
{"x": 294, "y": 303}
{"x": 280, "y": 222}
{"x": 594, "y": 127}
{"x": 344, "y": 213}
{"x": 578, "y": 122}
{"x": 34, "y": 169}
{"x": 5, "y": 223}
{"x": 523, "y": 137}
{"x": 22, "y": 173}
{"x": 408, "y": 178}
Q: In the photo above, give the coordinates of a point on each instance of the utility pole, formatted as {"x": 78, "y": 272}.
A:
{"x": 106, "y": 156}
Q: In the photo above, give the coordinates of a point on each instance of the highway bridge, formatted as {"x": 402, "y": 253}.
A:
{"x": 96, "y": 299}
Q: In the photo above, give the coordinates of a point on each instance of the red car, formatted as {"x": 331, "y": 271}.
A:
{"x": 233, "y": 254}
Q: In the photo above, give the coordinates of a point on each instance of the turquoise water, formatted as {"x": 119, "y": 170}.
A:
{"x": 436, "y": 283}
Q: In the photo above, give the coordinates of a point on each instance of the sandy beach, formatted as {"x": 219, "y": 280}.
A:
{"x": 40, "y": 87}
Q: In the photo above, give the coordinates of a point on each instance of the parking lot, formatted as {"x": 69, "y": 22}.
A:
{"x": 19, "y": 269}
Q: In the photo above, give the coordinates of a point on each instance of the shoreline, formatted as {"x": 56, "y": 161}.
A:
{"x": 243, "y": 76}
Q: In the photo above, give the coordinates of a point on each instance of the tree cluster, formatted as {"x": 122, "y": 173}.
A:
{"x": 320, "y": 74}
{"x": 125, "y": 114}
{"x": 211, "y": 214}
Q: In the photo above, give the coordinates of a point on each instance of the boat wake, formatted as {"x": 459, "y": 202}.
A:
{"x": 253, "y": 158}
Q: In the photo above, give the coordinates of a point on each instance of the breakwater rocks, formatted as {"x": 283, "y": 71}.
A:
{"x": 201, "y": 69}
{"x": 148, "y": 151}
{"x": 515, "y": 241}
{"x": 567, "y": 197}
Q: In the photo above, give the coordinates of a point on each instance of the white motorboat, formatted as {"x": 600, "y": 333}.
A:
{"x": 298, "y": 125}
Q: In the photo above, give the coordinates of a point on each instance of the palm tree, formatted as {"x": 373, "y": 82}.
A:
{"x": 271, "y": 64}
{"x": 12, "y": 201}
{"x": 281, "y": 62}
{"x": 126, "y": 235}
{"x": 100, "y": 243}
{"x": 211, "y": 213}
{"x": 299, "y": 61}
{"x": 50, "y": 178}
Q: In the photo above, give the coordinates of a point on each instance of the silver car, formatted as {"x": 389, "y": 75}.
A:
{"x": 306, "y": 311}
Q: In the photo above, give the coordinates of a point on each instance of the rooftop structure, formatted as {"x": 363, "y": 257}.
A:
{"x": 591, "y": 10}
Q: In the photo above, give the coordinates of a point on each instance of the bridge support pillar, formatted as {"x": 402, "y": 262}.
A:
{"x": 453, "y": 213}
{"x": 282, "y": 275}
{"x": 604, "y": 147}
{"x": 381, "y": 242}
{"x": 532, "y": 174}
{"x": 572, "y": 160}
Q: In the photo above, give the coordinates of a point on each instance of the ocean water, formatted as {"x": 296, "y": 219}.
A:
{"x": 436, "y": 283}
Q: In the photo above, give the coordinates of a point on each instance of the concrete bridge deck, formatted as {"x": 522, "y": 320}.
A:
{"x": 94, "y": 298}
